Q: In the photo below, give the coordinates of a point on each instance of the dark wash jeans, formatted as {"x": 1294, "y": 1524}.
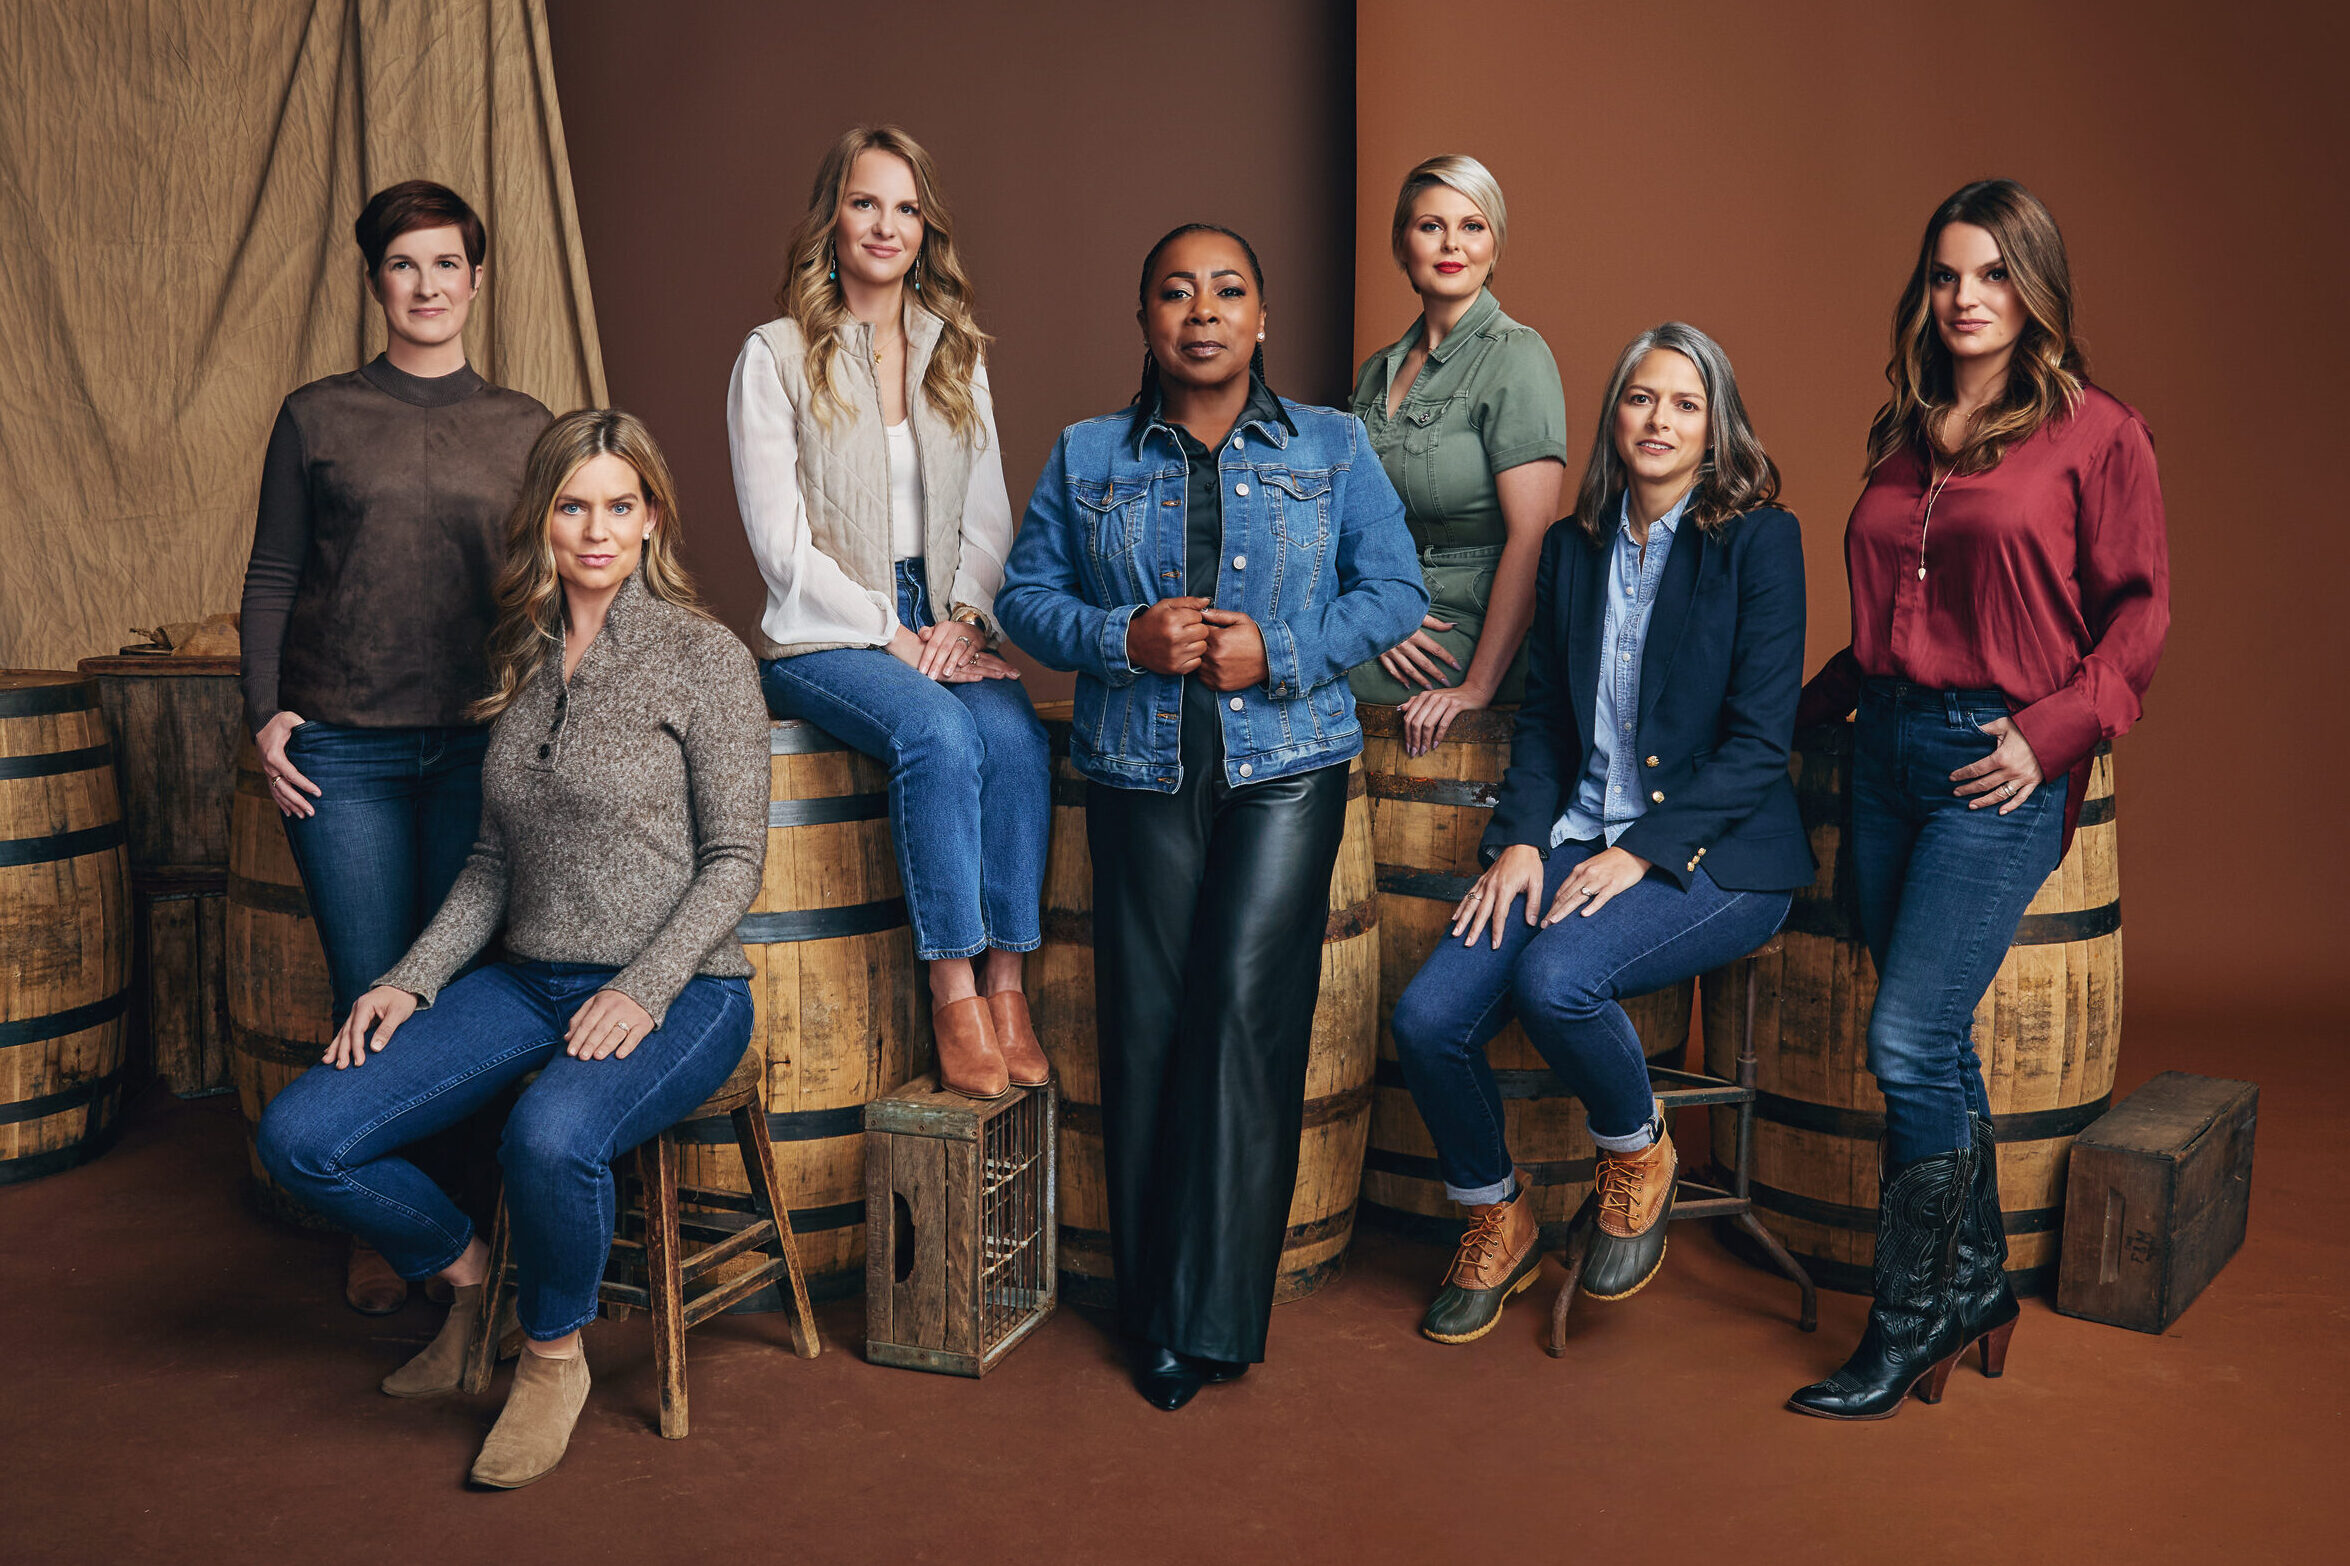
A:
{"x": 333, "y": 1137}
{"x": 970, "y": 790}
{"x": 398, "y": 810}
{"x": 1564, "y": 985}
{"x": 1942, "y": 889}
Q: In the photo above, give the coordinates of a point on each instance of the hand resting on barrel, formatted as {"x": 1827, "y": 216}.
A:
{"x": 382, "y": 1009}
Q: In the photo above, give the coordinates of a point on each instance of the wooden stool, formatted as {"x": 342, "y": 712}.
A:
{"x": 657, "y": 1261}
{"x": 1692, "y": 1198}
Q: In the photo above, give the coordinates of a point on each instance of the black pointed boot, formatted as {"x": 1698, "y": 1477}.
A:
{"x": 1985, "y": 1300}
{"x": 1913, "y": 1336}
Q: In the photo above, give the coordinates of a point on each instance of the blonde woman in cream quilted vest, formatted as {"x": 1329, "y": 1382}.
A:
{"x": 871, "y": 483}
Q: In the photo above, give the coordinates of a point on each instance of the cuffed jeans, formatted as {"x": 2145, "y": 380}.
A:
{"x": 970, "y": 801}
{"x": 398, "y": 810}
{"x": 1941, "y": 890}
{"x": 333, "y": 1137}
{"x": 1563, "y": 985}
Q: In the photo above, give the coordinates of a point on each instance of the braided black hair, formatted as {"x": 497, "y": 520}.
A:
{"x": 1148, "y": 394}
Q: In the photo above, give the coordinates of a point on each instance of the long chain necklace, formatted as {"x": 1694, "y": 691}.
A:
{"x": 1931, "y": 496}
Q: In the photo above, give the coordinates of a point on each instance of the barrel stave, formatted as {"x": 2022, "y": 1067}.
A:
{"x": 2047, "y": 1031}
{"x": 840, "y": 1003}
{"x": 65, "y": 922}
{"x": 1338, "y": 1108}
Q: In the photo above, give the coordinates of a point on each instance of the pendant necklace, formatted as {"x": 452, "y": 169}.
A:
{"x": 1928, "y": 521}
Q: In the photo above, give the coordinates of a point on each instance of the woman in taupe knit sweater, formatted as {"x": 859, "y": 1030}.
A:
{"x": 624, "y": 817}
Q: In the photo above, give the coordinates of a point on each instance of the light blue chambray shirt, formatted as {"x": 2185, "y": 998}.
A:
{"x": 1608, "y": 799}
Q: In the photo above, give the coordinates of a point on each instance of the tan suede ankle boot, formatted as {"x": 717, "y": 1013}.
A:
{"x": 530, "y": 1437}
{"x": 442, "y": 1364}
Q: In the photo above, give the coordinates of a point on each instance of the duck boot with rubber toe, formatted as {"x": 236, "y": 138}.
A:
{"x": 1499, "y": 1256}
{"x": 1628, "y": 1240}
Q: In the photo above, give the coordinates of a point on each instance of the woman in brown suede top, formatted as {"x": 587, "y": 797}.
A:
{"x": 367, "y": 600}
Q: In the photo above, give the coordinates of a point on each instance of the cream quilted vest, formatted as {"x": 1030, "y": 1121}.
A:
{"x": 844, "y": 468}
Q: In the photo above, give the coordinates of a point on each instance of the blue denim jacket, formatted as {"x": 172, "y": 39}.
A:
{"x": 1315, "y": 551}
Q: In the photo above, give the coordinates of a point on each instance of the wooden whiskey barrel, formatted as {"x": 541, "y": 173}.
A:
{"x": 65, "y": 936}
{"x": 178, "y": 724}
{"x": 280, "y": 1006}
{"x": 842, "y": 1005}
{"x": 2048, "y": 1032}
{"x": 1338, "y": 1070}
{"x": 1428, "y": 815}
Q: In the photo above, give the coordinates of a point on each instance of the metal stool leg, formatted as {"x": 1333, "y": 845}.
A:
{"x": 1742, "y": 1176}
{"x": 1577, "y": 1252}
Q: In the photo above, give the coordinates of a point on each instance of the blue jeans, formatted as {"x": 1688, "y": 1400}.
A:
{"x": 970, "y": 787}
{"x": 333, "y": 1137}
{"x": 398, "y": 810}
{"x": 1562, "y": 984}
{"x": 1941, "y": 890}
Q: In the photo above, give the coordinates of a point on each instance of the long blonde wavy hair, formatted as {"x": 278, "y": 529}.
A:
{"x": 812, "y": 297}
{"x": 529, "y": 593}
{"x": 2046, "y": 373}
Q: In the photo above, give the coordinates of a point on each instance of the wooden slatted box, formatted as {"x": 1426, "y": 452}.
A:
{"x": 2157, "y": 1199}
{"x": 960, "y": 1225}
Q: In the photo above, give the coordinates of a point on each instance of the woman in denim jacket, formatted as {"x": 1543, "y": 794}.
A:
{"x": 1212, "y": 562}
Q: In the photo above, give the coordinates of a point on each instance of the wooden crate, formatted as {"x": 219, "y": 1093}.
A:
{"x": 2156, "y": 1200}
{"x": 960, "y": 1223}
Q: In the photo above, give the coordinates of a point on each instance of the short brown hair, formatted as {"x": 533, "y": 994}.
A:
{"x": 410, "y": 205}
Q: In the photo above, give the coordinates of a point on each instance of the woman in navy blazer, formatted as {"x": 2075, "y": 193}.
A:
{"x": 1646, "y": 822}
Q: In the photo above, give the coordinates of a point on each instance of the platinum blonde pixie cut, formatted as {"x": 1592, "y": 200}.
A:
{"x": 1456, "y": 171}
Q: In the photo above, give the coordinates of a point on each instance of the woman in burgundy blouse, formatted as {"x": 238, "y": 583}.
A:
{"x": 2010, "y": 595}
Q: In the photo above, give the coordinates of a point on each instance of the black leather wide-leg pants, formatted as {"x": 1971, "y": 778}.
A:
{"x": 1209, "y": 907}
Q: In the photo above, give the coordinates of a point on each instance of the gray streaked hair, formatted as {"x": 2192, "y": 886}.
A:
{"x": 1455, "y": 171}
{"x": 1736, "y": 476}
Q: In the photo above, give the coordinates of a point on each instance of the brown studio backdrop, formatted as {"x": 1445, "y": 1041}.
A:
{"x": 1069, "y": 136}
{"x": 1765, "y": 172}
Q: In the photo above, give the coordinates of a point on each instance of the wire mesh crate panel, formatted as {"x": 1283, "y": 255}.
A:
{"x": 961, "y": 1223}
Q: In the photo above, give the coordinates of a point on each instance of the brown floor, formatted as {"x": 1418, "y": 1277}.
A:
{"x": 182, "y": 1384}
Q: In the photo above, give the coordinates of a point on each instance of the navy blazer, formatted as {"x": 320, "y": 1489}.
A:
{"x": 1719, "y": 679}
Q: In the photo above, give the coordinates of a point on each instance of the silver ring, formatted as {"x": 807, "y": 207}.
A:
{"x": 2011, "y": 785}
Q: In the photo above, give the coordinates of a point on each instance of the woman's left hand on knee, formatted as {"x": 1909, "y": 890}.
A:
{"x": 2004, "y": 778}
{"x": 381, "y": 1009}
{"x": 1593, "y": 882}
{"x": 609, "y": 1025}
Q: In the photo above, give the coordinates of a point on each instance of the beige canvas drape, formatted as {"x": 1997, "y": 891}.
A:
{"x": 177, "y": 184}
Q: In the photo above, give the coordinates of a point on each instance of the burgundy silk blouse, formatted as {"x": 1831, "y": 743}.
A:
{"x": 2046, "y": 578}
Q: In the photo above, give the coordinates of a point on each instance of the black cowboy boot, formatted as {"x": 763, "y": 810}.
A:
{"x": 1985, "y": 1303}
{"x": 1914, "y": 1335}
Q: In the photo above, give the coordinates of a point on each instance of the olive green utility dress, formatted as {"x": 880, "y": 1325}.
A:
{"x": 1486, "y": 400}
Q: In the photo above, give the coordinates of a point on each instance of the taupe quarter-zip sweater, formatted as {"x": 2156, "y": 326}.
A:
{"x": 624, "y": 813}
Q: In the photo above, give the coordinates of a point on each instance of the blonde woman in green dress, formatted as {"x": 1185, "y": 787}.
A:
{"x": 1466, "y": 414}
